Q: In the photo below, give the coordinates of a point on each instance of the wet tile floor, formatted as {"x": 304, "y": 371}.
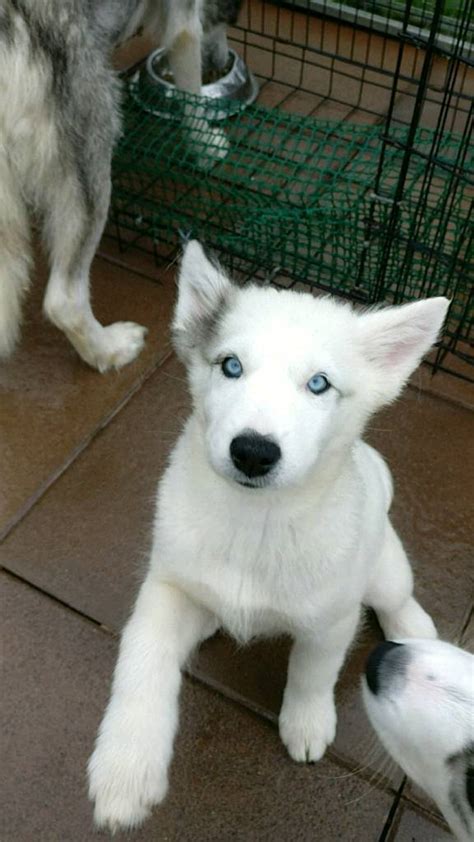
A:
{"x": 81, "y": 454}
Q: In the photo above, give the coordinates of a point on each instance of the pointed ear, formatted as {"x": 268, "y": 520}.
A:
{"x": 203, "y": 293}
{"x": 394, "y": 340}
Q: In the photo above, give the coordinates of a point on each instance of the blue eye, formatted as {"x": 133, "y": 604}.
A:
{"x": 318, "y": 384}
{"x": 231, "y": 367}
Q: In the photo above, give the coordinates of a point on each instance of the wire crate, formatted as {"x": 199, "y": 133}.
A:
{"x": 353, "y": 173}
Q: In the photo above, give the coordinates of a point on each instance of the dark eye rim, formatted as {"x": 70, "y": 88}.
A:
{"x": 327, "y": 383}
{"x": 228, "y": 374}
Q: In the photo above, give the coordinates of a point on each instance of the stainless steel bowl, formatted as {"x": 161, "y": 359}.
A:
{"x": 237, "y": 86}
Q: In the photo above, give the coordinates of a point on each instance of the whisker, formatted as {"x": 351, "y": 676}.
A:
{"x": 173, "y": 377}
{"x": 374, "y": 779}
{"x": 375, "y": 752}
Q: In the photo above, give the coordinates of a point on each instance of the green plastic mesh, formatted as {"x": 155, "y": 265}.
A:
{"x": 295, "y": 196}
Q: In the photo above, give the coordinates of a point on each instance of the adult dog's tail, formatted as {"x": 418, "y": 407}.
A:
{"x": 15, "y": 255}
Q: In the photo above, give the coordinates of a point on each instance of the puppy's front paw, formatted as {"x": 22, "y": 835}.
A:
{"x": 307, "y": 729}
{"x": 125, "y": 784}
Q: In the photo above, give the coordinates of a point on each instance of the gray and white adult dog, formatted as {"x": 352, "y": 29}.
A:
{"x": 59, "y": 118}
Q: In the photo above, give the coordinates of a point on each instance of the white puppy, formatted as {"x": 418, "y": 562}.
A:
{"x": 271, "y": 517}
{"x": 419, "y": 696}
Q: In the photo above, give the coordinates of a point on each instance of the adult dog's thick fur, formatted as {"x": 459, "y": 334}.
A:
{"x": 271, "y": 517}
{"x": 59, "y": 118}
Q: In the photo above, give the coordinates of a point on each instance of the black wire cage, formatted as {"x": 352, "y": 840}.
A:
{"x": 352, "y": 172}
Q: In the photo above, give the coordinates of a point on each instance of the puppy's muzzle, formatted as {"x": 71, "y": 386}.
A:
{"x": 387, "y": 661}
{"x": 254, "y": 455}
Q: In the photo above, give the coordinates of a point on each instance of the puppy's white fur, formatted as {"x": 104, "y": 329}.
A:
{"x": 299, "y": 553}
{"x": 423, "y": 713}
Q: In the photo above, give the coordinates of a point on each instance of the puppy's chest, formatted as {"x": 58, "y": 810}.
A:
{"x": 250, "y": 605}
{"x": 264, "y": 580}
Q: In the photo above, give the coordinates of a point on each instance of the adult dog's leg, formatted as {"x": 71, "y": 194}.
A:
{"x": 390, "y": 594}
{"x": 128, "y": 771}
{"x": 308, "y": 715}
{"x": 76, "y": 205}
{"x": 15, "y": 256}
{"x": 215, "y": 48}
{"x": 185, "y": 60}
{"x": 208, "y": 142}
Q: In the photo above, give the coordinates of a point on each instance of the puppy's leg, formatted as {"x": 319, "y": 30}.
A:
{"x": 128, "y": 771}
{"x": 208, "y": 142}
{"x": 390, "y": 594}
{"x": 308, "y": 715}
{"x": 76, "y": 211}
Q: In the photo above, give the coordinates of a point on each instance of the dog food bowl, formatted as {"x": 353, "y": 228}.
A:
{"x": 237, "y": 86}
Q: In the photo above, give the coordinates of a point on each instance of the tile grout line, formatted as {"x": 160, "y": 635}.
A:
{"x": 428, "y": 811}
{"x": 392, "y": 812}
{"x": 58, "y": 601}
{"x": 44, "y": 487}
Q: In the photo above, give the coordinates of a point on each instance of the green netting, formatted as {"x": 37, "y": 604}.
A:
{"x": 295, "y": 195}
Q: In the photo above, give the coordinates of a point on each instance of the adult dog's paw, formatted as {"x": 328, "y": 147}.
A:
{"x": 120, "y": 343}
{"x": 125, "y": 785}
{"x": 307, "y": 729}
{"x": 105, "y": 348}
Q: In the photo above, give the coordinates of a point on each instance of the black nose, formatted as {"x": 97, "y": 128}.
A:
{"x": 253, "y": 454}
{"x": 381, "y": 656}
